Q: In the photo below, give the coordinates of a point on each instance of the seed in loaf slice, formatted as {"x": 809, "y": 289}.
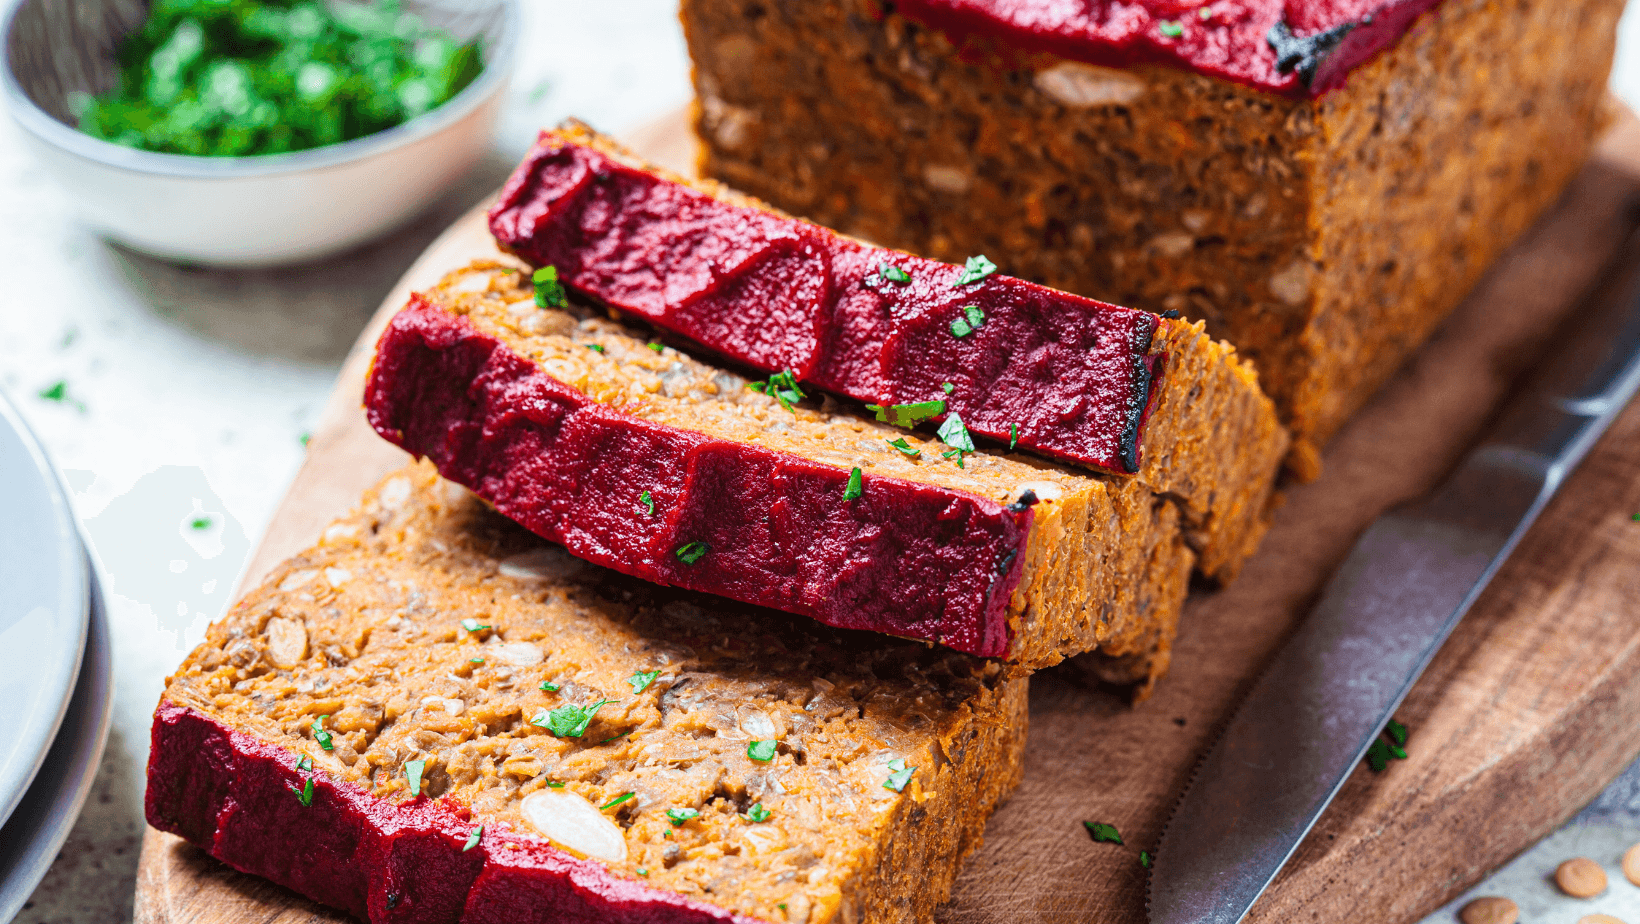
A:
{"x": 1068, "y": 377}
{"x": 585, "y": 746}
{"x": 652, "y": 463}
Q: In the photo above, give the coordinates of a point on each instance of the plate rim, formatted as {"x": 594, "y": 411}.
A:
{"x": 73, "y": 595}
{"x": 79, "y": 747}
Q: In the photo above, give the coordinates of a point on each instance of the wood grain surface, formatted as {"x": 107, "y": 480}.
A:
{"x": 1527, "y": 712}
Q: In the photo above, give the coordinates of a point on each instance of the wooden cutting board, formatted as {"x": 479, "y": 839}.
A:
{"x": 1527, "y": 713}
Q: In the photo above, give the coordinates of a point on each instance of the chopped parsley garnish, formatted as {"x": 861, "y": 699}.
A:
{"x": 569, "y": 721}
{"x": 623, "y": 797}
{"x": 472, "y": 838}
{"x": 320, "y": 735}
{"x": 782, "y": 386}
{"x": 306, "y": 438}
{"x": 762, "y": 750}
{"x": 954, "y": 434}
{"x": 907, "y": 415}
{"x": 1396, "y": 731}
{"x": 855, "y": 486}
{"x": 679, "y": 816}
{"x": 1382, "y": 751}
{"x": 974, "y": 270}
{"x": 1170, "y": 28}
{"x": 304, "y": 762}
{"x": 59, "y": 394}
{"x": 472, "y": 625}
{"x": 554, "y": 784}
{"x": 1378, "y": 755}
{"x": 899, "y": 775}
{"x": 549, "y": 292}
{"x": 595, "y": 347}
{"x": 1102, "y": 833}
{"x": 549, "y": 686}
{"x": 412, "y": 773}
{"x": 657, "y": 347}
{"x": 904, "y": 448}
{"x": 948, "y": 387}
{"x": 691, "y": 553}
{"x": 641, "y": 680}
{"x": 893, "y": 274}
{"x": 757, "y": 813}
{"x": 475, "y": 660}
{"x": 973, "y": 318}
{"x": 1013, "y": 436}
{"x": 200, "y": 523}
{"x": 1635, "y": 517}
{"x": 643, "y": 872}
{"x": 648, "y": 503}
{"x": 1145, "y": 859}
{"x": 305, "y": 794}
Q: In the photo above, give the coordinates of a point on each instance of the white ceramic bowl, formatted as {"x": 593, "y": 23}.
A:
{"x": 242, "y": 211}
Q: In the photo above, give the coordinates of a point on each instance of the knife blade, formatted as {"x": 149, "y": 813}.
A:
{"x": 1332, "y": 687}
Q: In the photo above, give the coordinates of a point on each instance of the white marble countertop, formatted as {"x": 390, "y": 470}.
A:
{"x": 189, "y": 392}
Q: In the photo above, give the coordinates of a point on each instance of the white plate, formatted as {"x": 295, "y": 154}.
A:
{"x": 43, "y": 603}
{"x": 34, "y": 833}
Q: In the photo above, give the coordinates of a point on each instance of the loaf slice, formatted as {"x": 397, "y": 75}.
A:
{"x": 1321, "y": 182}
{"x": 1074, "y": 379}
{"x": 742, "y": 766}
{"x": 642, "y": 459}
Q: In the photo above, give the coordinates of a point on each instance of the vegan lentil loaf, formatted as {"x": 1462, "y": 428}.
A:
{"x": 1067, "y": 377}
{"x": 646, "y": 460}
{"x": 434, "y": 716}
{"x": 1320, "y": 181}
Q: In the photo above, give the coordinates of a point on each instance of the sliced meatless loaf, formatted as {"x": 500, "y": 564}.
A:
{"x": 639, "y": 458}
{"x": 1320, "y": 181}
{"x": 435, "y": 716}
{"x": 1077, "y": 380}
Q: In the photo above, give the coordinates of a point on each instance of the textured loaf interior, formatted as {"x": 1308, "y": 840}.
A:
{"x": 1212, "y": 443}
{"x": 427, "y": 628}
{"x": 1104, "y": 565}
{"x": 1323, "y": 237}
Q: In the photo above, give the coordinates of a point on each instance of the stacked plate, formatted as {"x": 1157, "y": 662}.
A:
{"x": 55, "y": 682}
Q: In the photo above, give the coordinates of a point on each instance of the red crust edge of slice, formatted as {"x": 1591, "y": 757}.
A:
{"x": 1070, "y": 377}
{"x": 235, "y": 797}
{"x": 906, "y": 559}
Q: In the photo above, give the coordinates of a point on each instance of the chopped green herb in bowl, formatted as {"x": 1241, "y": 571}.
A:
{"x": 259, "y": 132}
{"x": 214, "y": 79}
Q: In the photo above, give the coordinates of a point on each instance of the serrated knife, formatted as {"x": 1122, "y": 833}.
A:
{"x": 1330, "y": 690}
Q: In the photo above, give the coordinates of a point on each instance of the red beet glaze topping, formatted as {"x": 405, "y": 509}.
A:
{"x": 1069, "y": 375}
{"x": 378, "y": 860}
{"x": 1292, "y": 47}
{"x": 907, "y": 559}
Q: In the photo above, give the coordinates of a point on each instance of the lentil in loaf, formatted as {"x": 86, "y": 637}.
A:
{"x": 1324, "y": 235}
{"x": 1077, "y": 380}
{"x": 742, "y": 766}
{"x": 640, "y": 458}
